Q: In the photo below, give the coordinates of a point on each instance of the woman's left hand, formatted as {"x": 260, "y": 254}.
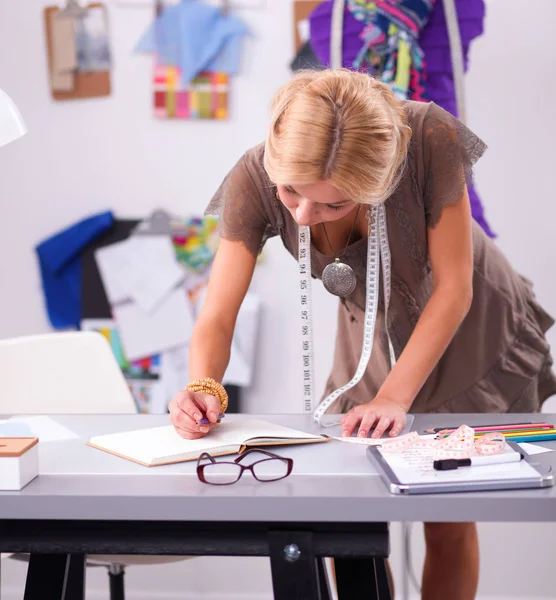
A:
{"x": 382, "y": 413}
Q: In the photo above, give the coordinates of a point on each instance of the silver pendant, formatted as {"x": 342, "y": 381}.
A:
{"x": 339, "y": 279}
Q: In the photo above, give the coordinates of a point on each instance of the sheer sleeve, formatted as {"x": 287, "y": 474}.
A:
{"x": 238, "y": 203}
{"x": 450, "y": 150}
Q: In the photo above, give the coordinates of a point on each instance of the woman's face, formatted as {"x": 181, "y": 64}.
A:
{"x": 314, "y": 203}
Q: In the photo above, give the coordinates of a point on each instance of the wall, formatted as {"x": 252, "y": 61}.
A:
{"x": 83, "y": 157}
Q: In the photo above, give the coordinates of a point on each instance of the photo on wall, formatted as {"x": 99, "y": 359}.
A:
{"x": 93, "y": 41}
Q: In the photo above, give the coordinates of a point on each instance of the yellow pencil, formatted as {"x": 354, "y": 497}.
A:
{"x": 524, "y": 433}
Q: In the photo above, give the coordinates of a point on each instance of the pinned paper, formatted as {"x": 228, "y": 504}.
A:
{"x": 244, "y": 342}
{"x": 169, "y": 325}
{"x": 64, "y": 52}
{"x": 141, "y": 268}
{"x": 143, "y": 282}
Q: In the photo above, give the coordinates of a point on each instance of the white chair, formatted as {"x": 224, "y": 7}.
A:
{"x": 69, "y": 373}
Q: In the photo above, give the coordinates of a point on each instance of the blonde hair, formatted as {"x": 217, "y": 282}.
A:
{"x": 340, "y": 126}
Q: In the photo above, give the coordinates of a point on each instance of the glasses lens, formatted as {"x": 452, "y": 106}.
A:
{"x": 221, "y": 473}
{"x": 271, "y": 469}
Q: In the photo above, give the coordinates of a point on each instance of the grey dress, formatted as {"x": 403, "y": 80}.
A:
{"x": 498, "y": 360}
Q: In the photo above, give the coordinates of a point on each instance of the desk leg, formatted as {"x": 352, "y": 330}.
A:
{"x": 75, "y": 581}
{"x": 55, "y": 577}
{"x": 325, "y": 592}
{"x": 294, "y": 566}
{"x": 362, "y": 579}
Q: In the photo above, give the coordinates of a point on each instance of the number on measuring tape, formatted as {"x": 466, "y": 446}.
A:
{"x": 378, "y": 253}
{"x": 306, "y": 317}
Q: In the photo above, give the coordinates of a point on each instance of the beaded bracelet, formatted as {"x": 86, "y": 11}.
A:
{"x": 208, "y": 385}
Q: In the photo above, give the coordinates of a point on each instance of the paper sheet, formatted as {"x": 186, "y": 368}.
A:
{"x": 333, "y": 420}
{"x": 415, "y": 465}
{"x": 168, "y": 326}
{"x": 532, "y": 449}
{"x": 303, "y": 30}
{"x": 64, "y": 52}
{"x": 155, "y": 270}
{"x": 361, "y": 441}
{"x": 112, "y": 261}
{"x": 175, "y": 370}
{"x": 244, "y": 344}
{"x": 143, "y": 268}
{"x": 45, "y": 428}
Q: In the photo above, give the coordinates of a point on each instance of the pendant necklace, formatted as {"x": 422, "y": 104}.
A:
{"x": 338, "y": 277}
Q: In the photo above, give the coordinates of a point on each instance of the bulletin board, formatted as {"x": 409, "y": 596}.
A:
{"x": 87, "y": 85}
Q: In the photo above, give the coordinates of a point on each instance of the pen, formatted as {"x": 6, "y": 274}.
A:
{"x": 503, "y": 425}
{"x": 205, "y": 421}
{"x": 449, "y": 464}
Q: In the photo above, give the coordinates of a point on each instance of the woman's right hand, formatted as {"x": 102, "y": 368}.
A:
{"x": 189, "y": 407}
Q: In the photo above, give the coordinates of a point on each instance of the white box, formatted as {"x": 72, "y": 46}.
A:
{"x": 19, "y": 462}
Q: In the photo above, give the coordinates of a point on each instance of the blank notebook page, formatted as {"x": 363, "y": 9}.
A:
{"x": 162, "y": 444}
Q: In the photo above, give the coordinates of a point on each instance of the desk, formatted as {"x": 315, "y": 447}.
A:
{"x": 86, "y": 501}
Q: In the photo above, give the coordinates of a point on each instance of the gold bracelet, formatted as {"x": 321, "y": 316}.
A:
{"x": 208, "y": 385}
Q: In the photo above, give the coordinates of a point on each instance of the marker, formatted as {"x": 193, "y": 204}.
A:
{"x": 205, "y": 421}
{"x": 449, "y": 464}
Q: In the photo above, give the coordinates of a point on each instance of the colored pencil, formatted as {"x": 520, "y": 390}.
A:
{"x": 505, "y": 425}
{"x": 526, "y": 433}
{"x": 506, "y": 432}
{"x": 516, "y": 431}
{"x": 513, "y": 427}
{"x": 521, "y": 434}
{"x": 535, "y": 438}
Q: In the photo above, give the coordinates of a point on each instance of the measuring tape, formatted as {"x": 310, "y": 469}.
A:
{"x": 378, "y": 251}
{"x": 306, "y": 316}
{"x": 460, "y": 443}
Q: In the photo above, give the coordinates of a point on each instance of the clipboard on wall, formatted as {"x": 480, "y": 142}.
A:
{"x": 90, "y": 84}
{"x": 301, "y": 11}
{"x": 405, "y": 473}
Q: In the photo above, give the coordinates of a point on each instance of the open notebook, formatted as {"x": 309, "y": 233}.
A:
{"x": 163, "y": 446}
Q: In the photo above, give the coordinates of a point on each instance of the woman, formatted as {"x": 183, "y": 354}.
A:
{"x": 466, "y": 330}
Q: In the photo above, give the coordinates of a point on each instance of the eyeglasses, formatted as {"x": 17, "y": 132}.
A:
{"x": 271, "y": 468}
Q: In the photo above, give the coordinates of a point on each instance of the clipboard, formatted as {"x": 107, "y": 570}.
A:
{"x": 301, "y": 11}
{"x": 86, "y": 85}
{"x": 512, "y": 476}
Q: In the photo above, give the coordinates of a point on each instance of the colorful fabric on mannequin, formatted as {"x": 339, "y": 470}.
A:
{"x": 430, "y": 80}
{"x": 391, "y": 50}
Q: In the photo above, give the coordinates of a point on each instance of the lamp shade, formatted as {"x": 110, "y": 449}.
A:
{"x": 12, "y": 125}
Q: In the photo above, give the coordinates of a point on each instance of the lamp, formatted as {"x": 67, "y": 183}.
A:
{"x": 12, "y": 125}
